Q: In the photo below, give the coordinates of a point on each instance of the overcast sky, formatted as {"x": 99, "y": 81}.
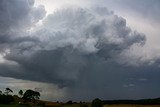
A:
{"x": 81, "y": 49}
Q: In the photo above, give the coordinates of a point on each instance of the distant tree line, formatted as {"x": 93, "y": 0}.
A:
{"x": 28, "y": 96}
{"x": 155, "y": 101}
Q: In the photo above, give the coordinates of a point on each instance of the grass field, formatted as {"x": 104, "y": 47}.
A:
{"x": 130, "y": 105}
{"x": 73, "y": 105}
{"x": 17, "y": 106}
{"x": 78, "y": 105}
{"x": 11, "y": 106}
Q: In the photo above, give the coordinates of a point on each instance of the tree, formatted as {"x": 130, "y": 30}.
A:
{"x": 8, "y": 90}
{"x": 20, "y": 93}
{"x": 69, "y": 102}
{"x": 0, "y": 92}
{"x": 97, "y": 103}
{"x": 30, "y": 95}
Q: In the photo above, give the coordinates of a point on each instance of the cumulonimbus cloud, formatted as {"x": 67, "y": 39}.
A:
{"x": 90, "y": 52}
{"x": 67, "y": 43}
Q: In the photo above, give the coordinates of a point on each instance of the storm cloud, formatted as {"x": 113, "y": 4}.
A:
{"x": 68, "y": 39}
{"x": 17, "y": 17}
{"x": 78, "y": 48}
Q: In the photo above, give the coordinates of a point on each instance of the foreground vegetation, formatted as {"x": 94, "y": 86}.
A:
{"x": 79, "y": 105}
{"x": 72, "y": 105}
{"x": 30, "y": 98}
{"x": 130, "y": 105}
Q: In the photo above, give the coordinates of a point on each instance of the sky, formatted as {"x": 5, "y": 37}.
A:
{"x": 81, "y": 49}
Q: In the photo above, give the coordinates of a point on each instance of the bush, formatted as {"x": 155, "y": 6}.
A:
{"x": 6, "y": 99}
{"x": 97, "y": 103}
{"x": 69, "y": 102}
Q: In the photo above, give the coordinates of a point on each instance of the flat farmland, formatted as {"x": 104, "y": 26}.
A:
{"x": 130, "y": 105}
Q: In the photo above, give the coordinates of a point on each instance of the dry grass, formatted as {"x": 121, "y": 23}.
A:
{"x": 130, "y": 105}
{"x": 50, "y": 104}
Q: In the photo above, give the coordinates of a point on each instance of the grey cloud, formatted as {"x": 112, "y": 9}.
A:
{"x": 107, "y": 82}
{"x": 19, "y": 14}
{"x": 87, "y": 29}
{"x": 148, "y": 9}
{"x": 67, "y": 42}
{"x": 16, "y": 17}
{"x": 78, "y": 48}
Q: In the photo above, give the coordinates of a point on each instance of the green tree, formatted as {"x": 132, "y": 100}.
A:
{"x": 31, "y": 95}
{"x": 20, "y": 93}
{"x": 8, "y": 90}
{"x": 97, "y": 103}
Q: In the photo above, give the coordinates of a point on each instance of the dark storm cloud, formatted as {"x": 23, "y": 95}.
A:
{"x": 19, "y": 14}
{"x": 110, "y": 83}
{"x": 70, "y": 41}
{"x": 16, "y": 17}
{"x": 77, "y": 48}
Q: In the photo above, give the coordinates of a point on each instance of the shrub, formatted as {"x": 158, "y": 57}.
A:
{"x": 97, "y": 103}
{"x": 69, "y": 102}
{"x": 6, "y": 99}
